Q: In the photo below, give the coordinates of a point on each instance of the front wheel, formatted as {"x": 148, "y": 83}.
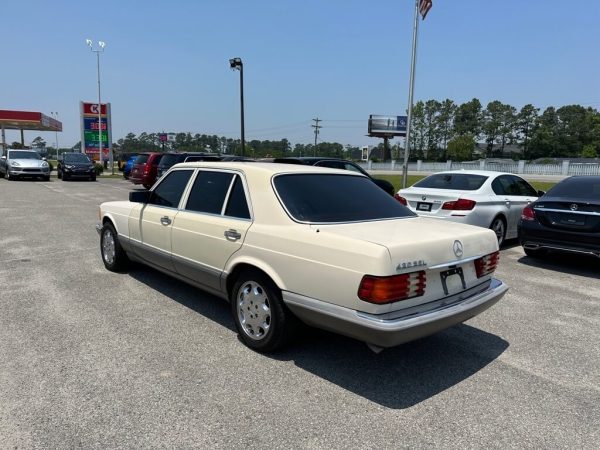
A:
{"x": 498, "y": 226}
{"x": 262, "y": 320}
{"x": 113, "y": 256}
{"x": 93, "y": 178}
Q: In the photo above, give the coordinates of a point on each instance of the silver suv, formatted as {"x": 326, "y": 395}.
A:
{"x": 23, "y": 163}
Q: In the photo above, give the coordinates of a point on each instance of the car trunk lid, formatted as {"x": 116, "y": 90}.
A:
{"x": 569, "y": 214}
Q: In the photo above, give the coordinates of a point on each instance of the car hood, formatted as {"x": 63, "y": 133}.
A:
{"x": 33, "y": 163}
{"x": 418, "y": 241}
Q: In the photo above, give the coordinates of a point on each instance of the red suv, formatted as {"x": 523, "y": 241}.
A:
{"x": 145, "y": 168}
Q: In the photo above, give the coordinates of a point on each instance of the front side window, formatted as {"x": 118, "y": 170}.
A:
{"x": 209, "y": 191}
{"x": 331, "y": 198}
{"x": 169, "y": 191}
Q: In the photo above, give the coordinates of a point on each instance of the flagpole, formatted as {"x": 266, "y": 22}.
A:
{"x": 413, "y": 63}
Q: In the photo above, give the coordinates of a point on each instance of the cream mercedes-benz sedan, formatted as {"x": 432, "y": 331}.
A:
{"x": 286, "y": 244}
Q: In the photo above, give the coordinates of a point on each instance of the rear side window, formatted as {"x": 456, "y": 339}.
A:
{"x": 168, "y": 160}
{"x": 237, "y": 205}
{"x": 141, "y": 159}
{"x": 453, "y": 181}
{"x": 169, "y": 191}
{"x": 583, "y": 188}
{"x": 209, "y": 191}
{"x": 330, "y": 198}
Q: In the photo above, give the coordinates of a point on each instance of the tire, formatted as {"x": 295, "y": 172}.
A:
{"x": 46, "y": 178}
{"x": 65, "y": 177}
{"x": 534, "y": 253}
{"x": 147, "y": 186}
{"x": 58, "y": 174}
{"x": 262, "y": 320}
{"x": 498, "y": 226}
{"x": 113, "y": 256}
{"x": 7, "y": 175}
{"x": 93, "y": 178}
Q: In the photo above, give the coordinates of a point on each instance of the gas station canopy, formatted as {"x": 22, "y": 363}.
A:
{"x": 27, "y": 120}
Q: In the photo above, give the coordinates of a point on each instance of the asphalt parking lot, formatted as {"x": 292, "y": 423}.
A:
{"x": 94, "y": 359}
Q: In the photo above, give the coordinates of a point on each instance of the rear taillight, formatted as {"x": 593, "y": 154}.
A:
{"x": 462, "y": 204}
{"x": 382, "y": 290}
{"x": 401, "y": 199}
{"x": 486, "y": 264}
{"x": 528, "y": 213}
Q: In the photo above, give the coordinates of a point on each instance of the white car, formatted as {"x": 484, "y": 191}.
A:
{"x": 283, "y": 242}
{"x": 487, "y": 199}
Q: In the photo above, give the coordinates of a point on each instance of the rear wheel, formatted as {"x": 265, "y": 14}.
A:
{"x": 498, "y": 226}
{"x": 262, "y": 320}
{"x": 113, "y": 256}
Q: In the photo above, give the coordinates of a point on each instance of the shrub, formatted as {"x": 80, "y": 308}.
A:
{"x": 98, "y": 168}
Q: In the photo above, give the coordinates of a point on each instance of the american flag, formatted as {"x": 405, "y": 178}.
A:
{"x": 424, "y": 7}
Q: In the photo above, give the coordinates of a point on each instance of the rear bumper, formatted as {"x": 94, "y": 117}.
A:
{"x": 388, "y": 330}
{"x": 536, "y": 237}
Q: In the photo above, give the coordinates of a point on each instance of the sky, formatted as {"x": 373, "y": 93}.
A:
{"x": 165, "y": 67}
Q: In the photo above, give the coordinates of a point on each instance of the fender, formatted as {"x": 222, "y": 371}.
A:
{"x": 235, "y": 260}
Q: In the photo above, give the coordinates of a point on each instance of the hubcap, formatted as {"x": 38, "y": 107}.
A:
{"x": 254, "y": 310}
{"x": 108, "y": 247}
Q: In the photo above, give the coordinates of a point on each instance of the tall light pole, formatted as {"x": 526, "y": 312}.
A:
{"x": 97, "y": 51}
{"x": 236, "y": 64}
{"x": 55, "y": 117}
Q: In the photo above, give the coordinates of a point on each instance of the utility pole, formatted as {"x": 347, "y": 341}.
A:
{"x": 316, "y": 126}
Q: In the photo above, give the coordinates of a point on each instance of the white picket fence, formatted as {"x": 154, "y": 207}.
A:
{"x": 520, "y": 167}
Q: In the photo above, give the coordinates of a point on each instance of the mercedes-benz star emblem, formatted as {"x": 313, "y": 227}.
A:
{"x": 458, "y": 249}
{"x": 423, "y": 198}
{"x": 574, "y": 207}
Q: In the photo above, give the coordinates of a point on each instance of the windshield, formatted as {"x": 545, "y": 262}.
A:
{"x": 77, "y": 158}
{"x": 453, "y": 181}
{"x": 20, "y": 154}
{"x": 329, "y": 198}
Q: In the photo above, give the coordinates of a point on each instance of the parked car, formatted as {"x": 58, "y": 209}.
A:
{"x": 336, "y": 163}
{"x": 487, "y": 199}
{"x": 170, "y": 159}
{"x": 128, "y": 166}
{"x": 123, "y": 158}
{"x": 75, "y": 165}
{"x": 145, "y": 168}
{"x": 567, "y": 219}
{"x": 24, "y": 164}
{"x": 284, "y": 242}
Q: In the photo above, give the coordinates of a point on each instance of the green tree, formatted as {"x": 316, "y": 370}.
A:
{"x": 468, "y": 118}
{"x": 491, "y": 123}
{"x": 525, "y": 126}
{"x": 461, "y": 148}
{"x": 431, "y": 112}
{"x": 38, "y": 142}
{"x": 589, "y": 151}
{"x": 445, "y": 122}
{"x": 418, "y": 130}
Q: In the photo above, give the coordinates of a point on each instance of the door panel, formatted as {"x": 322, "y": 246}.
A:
{"x": 203, "y": 243}
{"x": 155, "y": 224}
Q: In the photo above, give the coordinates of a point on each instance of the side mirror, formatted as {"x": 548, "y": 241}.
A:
{"x": 2, "y": 157}
{"x": 139, "y": 196}
{"x": 540, "y": 193}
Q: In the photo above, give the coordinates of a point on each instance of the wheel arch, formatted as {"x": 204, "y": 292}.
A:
{"x": 240, "y": 266}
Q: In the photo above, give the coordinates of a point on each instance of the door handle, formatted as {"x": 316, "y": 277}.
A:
{"x": 232, "y": 235}
{"x": 165, "y": 221}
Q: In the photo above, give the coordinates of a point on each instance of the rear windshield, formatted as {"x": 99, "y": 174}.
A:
{"x": 16, "y": 154}
{"x": 329, "y": 198}
{"x": 454, "y": 181}
{"x": 169, "y": 160}
{"x": 141, "y": 159}
{"x": 584, "y": 188}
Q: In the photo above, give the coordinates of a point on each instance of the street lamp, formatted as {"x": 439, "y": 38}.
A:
{"x": 236, "y": 64}
{"x": 55, "y": 117}
{"x": 97, "y": 51}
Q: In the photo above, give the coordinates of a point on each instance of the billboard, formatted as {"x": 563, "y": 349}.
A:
{"x": 387, "y": 126}
{"x": 92, "y": 132}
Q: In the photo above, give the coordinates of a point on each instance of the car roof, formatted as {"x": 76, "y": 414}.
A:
{"x": 307, "y": 159}
{"x": 269, "y": 168}
{"x": 485, "y": 173}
